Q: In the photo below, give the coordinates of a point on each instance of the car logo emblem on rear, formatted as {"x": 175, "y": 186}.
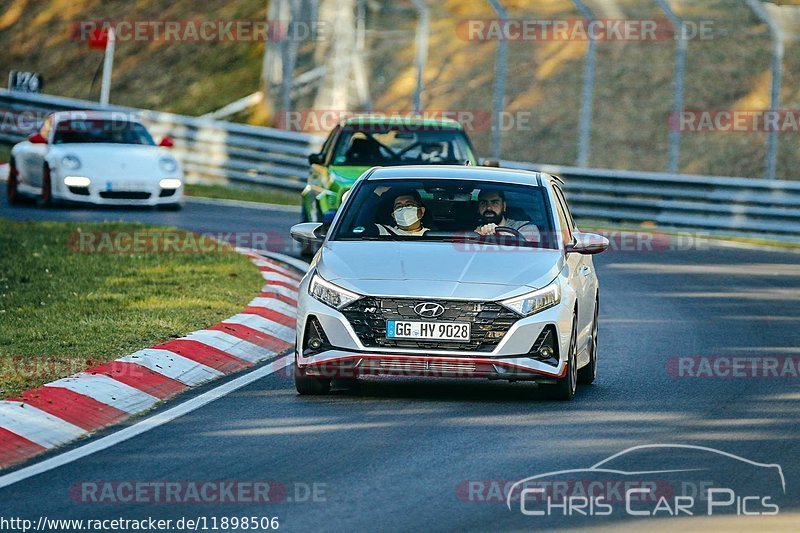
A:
{"x": 429, "y": 310}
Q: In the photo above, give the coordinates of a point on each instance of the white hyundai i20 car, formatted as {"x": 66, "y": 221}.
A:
{"x": 450, "y": 272}
{"x": 106, "y": 158}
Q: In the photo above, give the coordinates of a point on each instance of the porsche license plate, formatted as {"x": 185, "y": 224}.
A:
{"x": 450, "y": 331}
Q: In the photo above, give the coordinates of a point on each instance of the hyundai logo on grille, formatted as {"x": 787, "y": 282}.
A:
{"x": 429, "y": 310}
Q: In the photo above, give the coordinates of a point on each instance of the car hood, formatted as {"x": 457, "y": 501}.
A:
{"x": 437, "y": 270}
{"x": 113, "y": 160}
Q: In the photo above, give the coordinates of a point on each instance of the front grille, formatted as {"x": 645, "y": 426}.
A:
{"x": 490, "y": 322}
{"x": 426, "y": 366}
{"x": 83, "y": 191}
{"x": 125, "y": 195}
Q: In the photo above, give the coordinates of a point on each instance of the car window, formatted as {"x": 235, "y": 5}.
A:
{"x": 44, "y": 131}
{"x": 387, "y": 146}
{"x": 326, "y": 146}
{"x": 565, "y": 206}
{"x": 563, "y": 219}
{"x": 450, "y": 211}
{"x": 101, "y": 131}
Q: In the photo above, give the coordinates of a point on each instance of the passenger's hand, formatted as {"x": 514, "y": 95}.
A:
{"x": 487, "y": 229}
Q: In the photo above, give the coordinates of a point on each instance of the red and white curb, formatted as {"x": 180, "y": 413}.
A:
{"x": 64, "y": 410}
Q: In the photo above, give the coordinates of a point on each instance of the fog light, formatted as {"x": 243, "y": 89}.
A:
{"x": 77, "y": 181}
{"x": 546, "y": 352}
{"x": 169, "y": 183}
{"x": 315, "y": 343}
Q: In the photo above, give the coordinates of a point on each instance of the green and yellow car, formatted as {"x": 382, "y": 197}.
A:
{"x": 359, "y": 143}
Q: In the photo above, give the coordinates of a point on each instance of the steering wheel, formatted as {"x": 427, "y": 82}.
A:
{"x": 512, "y": 231}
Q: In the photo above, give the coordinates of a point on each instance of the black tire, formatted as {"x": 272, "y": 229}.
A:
{"x": 11, "y": 185}
{"x": 310, "y": 386}
{"x": 47, "y": 188}
{"x": 564, "y": 390}
{"x": 587, "y": 374}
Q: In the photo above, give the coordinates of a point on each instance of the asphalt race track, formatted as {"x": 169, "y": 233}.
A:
{"x": 396, "y": 454}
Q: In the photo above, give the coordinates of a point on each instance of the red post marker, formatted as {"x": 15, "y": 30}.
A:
{"x": 98, "y": 39}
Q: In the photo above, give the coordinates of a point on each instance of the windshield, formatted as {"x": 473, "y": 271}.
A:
{"x": 447, "y": 210}
{"x": 101, "y": 131}
{"x": 400, "y": 146}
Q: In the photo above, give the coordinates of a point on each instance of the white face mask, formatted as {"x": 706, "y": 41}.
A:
{"x": 406, "y": 216}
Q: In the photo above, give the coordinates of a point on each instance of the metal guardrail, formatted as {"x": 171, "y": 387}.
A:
{"x": 216, "y": 150}
{"x": 210, "y": 150}
{"x": 741, "y": 206}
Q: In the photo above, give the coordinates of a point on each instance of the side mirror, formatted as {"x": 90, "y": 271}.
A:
{"x": 315, "y": 159}
{"x": 587, "y": 243}
{"x": 308, "y": 232}
{"x": 167, "y": 142}
{"x": 491, "y": 163}
{"x": 37, "y": 138}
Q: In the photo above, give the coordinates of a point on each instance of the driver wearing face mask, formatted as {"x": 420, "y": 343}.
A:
{"x": 407, "y": 212}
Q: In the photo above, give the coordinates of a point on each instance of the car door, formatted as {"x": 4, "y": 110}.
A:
{"x": 581, "y": 269}
{"x": 31, "y": 166}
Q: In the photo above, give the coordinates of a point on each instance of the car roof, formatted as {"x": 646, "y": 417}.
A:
{"x": 399, "y": 120}
{"x": 504, "y": 175}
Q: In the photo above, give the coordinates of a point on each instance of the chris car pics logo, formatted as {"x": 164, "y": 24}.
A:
{"x": 654, "y": 480}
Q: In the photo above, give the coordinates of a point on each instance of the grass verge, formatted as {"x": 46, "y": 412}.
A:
{"x": 224, "y": 192}
{"x": 62, "y": 311}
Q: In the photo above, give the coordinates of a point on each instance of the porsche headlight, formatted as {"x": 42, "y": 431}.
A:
{"x": 330, "y": 294}
{"x": 71, "y": 162}
{"x": 535, "y": 301}
{"x": 168, "y": 164}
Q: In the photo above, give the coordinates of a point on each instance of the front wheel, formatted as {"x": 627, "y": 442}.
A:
{"x": 564, "y": 389}
{"x": 310, "y": 386}
{"x": 12, "y": 193}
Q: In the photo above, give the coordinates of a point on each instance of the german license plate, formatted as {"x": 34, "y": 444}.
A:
{"x": 449, "y": 331}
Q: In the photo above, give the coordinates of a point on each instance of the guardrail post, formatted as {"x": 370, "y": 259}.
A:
{"x": 775, "y": 92}
{"x": 423, "y": 27}
{"x": 681, "y": 45}
{"x": 587, "y": 93}
{"x": 499, "y": 90}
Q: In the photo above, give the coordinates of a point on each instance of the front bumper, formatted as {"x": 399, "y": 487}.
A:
{"x": 510, "y": 359}
{"x": 143, "y": 194}
{"x": 337, "y": 364}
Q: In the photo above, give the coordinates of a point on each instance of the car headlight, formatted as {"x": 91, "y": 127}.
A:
{"x": 535, "y": 301}
{"x": 330, "y": 294}
{"x": 71, "y": 162}
{"x": 169, "y": 183}
{"x": 168, "y": 164}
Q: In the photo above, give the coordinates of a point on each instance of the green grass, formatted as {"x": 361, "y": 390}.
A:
{"x": 62, "y": 311}
{"x": 266, "y": 196}
{"x": 5, "y": 154}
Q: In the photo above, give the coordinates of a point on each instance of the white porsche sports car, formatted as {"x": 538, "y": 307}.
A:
{"x": 94, "y": 157}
